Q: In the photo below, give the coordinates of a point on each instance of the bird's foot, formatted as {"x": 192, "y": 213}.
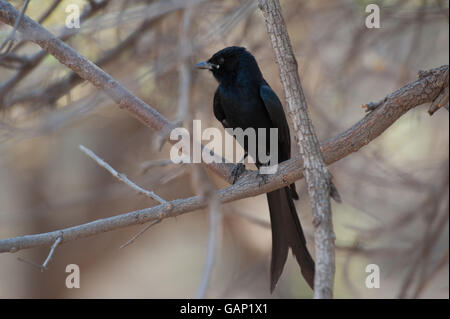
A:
{"x": 237, "y": 172}
{"x": 263, "y": 178}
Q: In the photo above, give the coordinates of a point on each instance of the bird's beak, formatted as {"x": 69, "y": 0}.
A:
{"x": 205, "y": 65}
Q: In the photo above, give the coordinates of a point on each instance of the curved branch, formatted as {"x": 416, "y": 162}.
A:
{"x": 392, "y": 107}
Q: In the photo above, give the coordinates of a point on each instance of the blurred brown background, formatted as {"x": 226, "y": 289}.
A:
{"x": 395, "y": 190}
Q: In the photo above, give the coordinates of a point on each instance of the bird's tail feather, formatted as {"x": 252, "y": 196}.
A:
{"x": 287, "y": 232}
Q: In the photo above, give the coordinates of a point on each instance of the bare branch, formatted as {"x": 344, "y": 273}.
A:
{"x": 121, "y": 177}
{"x": 49, "y": 11}
{"x": 145, "y": 166}
{"x": 10, "y": 39}
{"x": 252, "y": 219}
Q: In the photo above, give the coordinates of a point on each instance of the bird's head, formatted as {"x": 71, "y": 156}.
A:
{"x": 226, "y": 63}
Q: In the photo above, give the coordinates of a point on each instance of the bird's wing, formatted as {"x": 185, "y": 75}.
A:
{"x": 278, "y": 118}
{"x": 218, "y": 111}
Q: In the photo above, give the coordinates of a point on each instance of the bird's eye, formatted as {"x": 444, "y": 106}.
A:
{"x": 221, "y": 60}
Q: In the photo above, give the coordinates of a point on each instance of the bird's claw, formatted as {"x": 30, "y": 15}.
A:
{"x": 263, "y": 178}
{"x": 237, "y": 172}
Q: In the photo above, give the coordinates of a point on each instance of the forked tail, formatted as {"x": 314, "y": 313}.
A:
{"x": 287, "y": 232}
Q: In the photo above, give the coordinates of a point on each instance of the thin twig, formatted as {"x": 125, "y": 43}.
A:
{"x": 47, "y": 260}
{"x": 50, "y": 254}
{"x": 184, "y": 69}
{"x": 423, "y": 90}
{"x": 439, "y": 102}
{"x": 10, "y": 39}
{"x": 121, "y": 177}
{"x": 206, "y": 189}
{"x": 29, "y": 262}
{"x": 34, "y": 60}
{"x": 41, "y": 20}
{"x": 49, "y": 11}
{"x": 139, "y": 233}
{"x": 173, "y": 174}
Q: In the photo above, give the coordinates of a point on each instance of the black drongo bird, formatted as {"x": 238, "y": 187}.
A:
{"x": 244, "y": 100}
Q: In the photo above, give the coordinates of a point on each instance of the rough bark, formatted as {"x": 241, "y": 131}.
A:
{"x": 318, "y": 179}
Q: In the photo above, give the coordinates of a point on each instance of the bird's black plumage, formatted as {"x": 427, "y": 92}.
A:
{"x": 243, "y": 99}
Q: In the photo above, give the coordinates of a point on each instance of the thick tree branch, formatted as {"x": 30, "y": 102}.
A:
{"x": 423, "y": 90}
{"x": 318, "y": 179}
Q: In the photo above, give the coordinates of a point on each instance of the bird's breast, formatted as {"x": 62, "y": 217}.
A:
{"x": 243, "y": 107}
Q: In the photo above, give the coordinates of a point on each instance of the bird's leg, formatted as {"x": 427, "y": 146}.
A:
{"x": 263, "y": 177}
{"x": 238, "y": 169}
